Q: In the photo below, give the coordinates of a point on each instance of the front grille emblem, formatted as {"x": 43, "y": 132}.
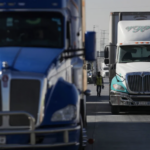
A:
{"x": 142, "y": 74}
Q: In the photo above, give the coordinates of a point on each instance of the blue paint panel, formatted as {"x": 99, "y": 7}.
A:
{"x": 8, "y": 54}
{"x": 32, "y": 4}
{"x": 62, "y": 95}
{"x": 36, "y": 60}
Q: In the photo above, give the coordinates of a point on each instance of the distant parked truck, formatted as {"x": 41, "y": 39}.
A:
{"x": 104, "y": 70}
{"x": 128, "y": 56}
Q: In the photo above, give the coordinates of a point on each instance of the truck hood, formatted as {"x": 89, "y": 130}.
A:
{"x": 37, "y": 60}
{"x": 125, "y": 68}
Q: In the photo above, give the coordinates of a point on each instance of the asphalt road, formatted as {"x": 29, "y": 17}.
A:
{"x": 130, "y": 130}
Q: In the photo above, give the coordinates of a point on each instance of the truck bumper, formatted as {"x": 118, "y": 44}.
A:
{"x": 42, "y": 138}
{"x": 56, "y": 138}
{"x": 124, "y": 99}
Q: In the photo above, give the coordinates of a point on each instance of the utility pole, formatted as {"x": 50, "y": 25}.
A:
{"x": 103, "y": 39}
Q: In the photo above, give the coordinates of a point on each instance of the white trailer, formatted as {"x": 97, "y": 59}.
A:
{"x": 104, "y": 70}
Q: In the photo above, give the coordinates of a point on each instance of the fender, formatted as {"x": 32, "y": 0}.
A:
{"x": 62, "y": 95}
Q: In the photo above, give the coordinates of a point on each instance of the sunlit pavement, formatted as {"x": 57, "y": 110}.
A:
{"x": 130, "y": 130}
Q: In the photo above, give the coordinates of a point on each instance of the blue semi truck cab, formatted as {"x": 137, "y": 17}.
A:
{"x": 43, "y": 49}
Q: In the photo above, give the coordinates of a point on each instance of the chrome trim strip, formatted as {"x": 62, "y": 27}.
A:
{"x": 140, "y": 96}
{"x": 5, "y": 98}
{"x": 39, "y": 145}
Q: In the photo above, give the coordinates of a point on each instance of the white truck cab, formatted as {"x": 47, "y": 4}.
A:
{"x": 104, "y": 70}
{"x": 128, "y": 56}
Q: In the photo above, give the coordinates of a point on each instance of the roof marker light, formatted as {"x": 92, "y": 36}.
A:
{"x": 11, "y": 4}
{"x": 2, "y": 4}
{"x": 120, "y": 43}
{"x": 147, "y": 42}
{"x": 141, "y": 42}
{"x": 136, "y": 42}
{"x": 54, "y": 4}
{"x": 21, "y": 4}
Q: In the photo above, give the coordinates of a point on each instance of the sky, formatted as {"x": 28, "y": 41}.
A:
{"x": 97, "y": 13}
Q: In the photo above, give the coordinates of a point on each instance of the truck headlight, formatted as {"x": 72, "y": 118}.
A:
{"x": 118, "y": 87}
{"x": 66, "y": 114}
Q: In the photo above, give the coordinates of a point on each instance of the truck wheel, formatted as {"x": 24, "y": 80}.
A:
{"x": 115, "y": 109}
{"x": 83, "y": 113}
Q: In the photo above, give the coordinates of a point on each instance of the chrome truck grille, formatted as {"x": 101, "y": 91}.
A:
{"x": 138, "y": 83}
{"x": 24, "y": 96}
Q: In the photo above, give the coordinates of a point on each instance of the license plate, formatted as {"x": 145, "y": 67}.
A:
{"x": 2, "y": 140}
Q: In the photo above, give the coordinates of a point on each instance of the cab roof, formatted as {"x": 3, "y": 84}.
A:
{"x": 33, "y": 4}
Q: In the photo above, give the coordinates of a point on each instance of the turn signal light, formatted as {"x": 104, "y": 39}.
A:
{"x": 2, "y": 4}
{"x": 11, "y": 4}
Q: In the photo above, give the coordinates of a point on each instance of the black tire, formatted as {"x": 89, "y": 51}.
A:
{"x": 115, "y": 109}
{"x": 83, "y": 113}
{"x": 81, "y": 146}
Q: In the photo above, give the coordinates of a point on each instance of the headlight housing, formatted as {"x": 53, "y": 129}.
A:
{"x": 118, "y": 87}
{"x": 66, "y": 114}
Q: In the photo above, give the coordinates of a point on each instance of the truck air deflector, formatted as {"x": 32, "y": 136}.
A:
{"x": 133, "y": 31}
{"x": 32, "y": 4}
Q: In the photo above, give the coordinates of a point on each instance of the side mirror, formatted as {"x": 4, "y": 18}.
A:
{"x": 106, "y": 61}
{"x": 106, "y": 52}
{"x": 90, "y": 46}
{"x": 87, "y": 92}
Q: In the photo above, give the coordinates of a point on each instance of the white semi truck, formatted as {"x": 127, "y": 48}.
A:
{"x": 128, "y": 57}
{"x": 104, "y": 70}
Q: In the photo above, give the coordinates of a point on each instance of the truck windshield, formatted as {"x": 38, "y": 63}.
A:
{"x": 31, "y": 29}
{"x": 134, "y": 54}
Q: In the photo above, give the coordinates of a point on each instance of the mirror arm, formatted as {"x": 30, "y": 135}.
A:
{"x": 73, "y": 51}
{"x": 111, "y": 45}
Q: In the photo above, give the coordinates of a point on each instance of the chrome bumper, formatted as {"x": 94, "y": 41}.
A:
{"x": 123, "y": 99}
{"x": 32, "y": 131}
